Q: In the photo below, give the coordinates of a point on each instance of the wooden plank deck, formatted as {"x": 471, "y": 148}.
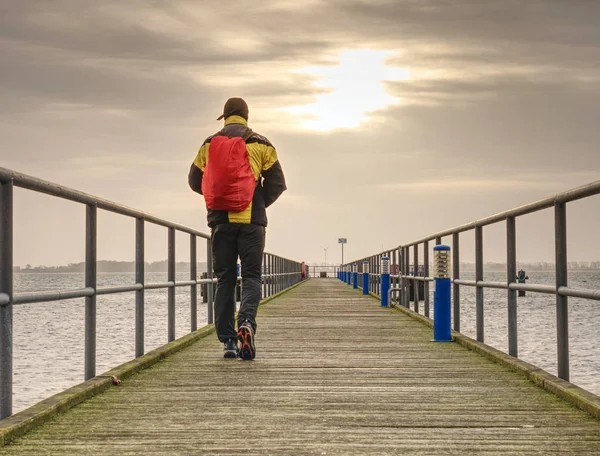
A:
{"x": 335, "y": 374}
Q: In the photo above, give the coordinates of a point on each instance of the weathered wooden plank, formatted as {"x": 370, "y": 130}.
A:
{"x": 335, "y": 374}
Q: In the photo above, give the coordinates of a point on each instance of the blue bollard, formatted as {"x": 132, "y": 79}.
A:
{"x": 349, "y": 276}
{"x": 385, "y": 281}
{"x": 355, "y": 276}
{"x": 365, "y": 284}
{"x": 442, "y": 331}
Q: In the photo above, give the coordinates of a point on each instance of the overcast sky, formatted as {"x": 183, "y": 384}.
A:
{"x": 392, "y": 119}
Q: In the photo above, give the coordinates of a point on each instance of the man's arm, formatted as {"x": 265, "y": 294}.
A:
{"x": 273, "y": 183}
{"x": 197, "y": 169}
{"x": 195, "y": 178}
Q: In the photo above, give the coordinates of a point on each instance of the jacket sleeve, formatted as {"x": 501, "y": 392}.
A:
{"x": 273, "y": 183}
{"x": 195, "y": 179}
{"x": 197, "y": 169}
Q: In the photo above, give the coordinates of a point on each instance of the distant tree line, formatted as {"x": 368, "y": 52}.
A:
{"x": 111, "y": 266}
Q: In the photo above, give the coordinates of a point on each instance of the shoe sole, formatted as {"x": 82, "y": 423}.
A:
{"x": 247, "y": 350}
{"x": 230, "y": 354}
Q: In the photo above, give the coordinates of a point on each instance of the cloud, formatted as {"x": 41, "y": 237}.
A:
{"x": 116, "y": 97}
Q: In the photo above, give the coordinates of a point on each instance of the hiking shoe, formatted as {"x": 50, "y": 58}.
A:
{"x": 230, "y": 349}
{"x": 246, "y": 337}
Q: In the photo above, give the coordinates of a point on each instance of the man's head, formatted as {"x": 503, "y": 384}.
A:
{"x": 235, "y": 107}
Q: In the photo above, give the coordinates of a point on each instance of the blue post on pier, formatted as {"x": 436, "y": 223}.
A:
{"x": 385, "y": 281}
{"x": 442, "y": 331}
{"x": 349, "y": 276}
{"x": 355, "y": 276}
{"x": 365, "y": 277}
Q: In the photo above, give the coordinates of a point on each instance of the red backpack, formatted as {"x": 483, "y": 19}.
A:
{"x": 228, "y": 183}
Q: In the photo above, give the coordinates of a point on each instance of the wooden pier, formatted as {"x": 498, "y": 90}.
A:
{"x": 335, "y": 373}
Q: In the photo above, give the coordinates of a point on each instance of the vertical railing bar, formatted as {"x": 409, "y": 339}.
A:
{"x": 394, "y": 270}
{"x": 193, "y": 288}
{"x": 171, "y": 290}
{"x": 6, "y": 287}
{"x": 479, "y": 316}
{"x": 91, "y": 234}
{"x": 438, "y": 241}
{"x": 139, "y": 278}
{"x": 426, "y": 283}
{"x": 456, "y": 275}
{"x": 271, "y": 277}
{"x": 416, "y": 274}
{"x": 372, "y": 274}
{"x": 407, "y": 269}
{"x": 401, "y": 280}
{"x": 562, "y": 302}
{"x": 263, "y": 282}
{"x": 210, "y": 285}
{"x": 511, "y": 274}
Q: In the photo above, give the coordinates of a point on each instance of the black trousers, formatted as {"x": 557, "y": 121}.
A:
{"x": 230, "y": 241}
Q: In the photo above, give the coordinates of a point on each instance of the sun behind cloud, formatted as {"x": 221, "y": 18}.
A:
{"x": 356, "y": 89}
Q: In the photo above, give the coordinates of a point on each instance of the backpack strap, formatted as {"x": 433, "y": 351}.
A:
{"x": 246, "y": 136}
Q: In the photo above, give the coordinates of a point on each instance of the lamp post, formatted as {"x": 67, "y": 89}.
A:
{"x": 342, "y": 241}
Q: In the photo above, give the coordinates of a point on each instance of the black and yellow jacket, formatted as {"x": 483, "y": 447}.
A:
{"x": 270, "y": 182}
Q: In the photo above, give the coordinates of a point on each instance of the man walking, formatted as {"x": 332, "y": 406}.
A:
{"x": 239, "y": 175}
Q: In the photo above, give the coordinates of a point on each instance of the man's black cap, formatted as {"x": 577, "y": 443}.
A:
{"x": 235, "y": 107}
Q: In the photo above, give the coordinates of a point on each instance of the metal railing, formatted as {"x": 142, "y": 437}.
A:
{"x": 323, "y": 271}
{"x": 278, "y": 274}
{"x": 400, "y": 258}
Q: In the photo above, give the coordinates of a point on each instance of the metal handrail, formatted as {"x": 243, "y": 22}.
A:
{"x": 280, "y": 272}
{"x": 400, "y": 257}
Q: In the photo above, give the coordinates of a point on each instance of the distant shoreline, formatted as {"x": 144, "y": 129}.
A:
{"x": 105, "y": 266}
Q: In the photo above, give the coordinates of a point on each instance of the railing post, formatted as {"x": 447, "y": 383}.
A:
{"x": 385, "y": 281}
{"x": 272, "y": 276}
{"x": 442, "y": 331}
{"x": 91, "y": 226}
{"x": 406, "y": 269}
{"x": 276, "y": 272}
{"x": 400, "y": 274}
{"x": 238, "y": 283}
{"x": 139, "y": 294}
{"x": 193, "y": 288}
{"x": 264, "y": 275}
{"x": 416, "y": 275}
{"x": 394, "y": 270}
{"x": 479, "y": 276}
{"x": 6, "y": 288}
{"x": 365, "y": 281}
{"x": 210, "y": 285}
{"x": 456, "y": 275}
{"x": 511, "y": 274}
{"x": 171, "y": 290}
{"x": 426, "y": 274}
{"x": 562, "y": 302}
{"x": 355, "y": 274}
{"x": 279, "y": 277}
